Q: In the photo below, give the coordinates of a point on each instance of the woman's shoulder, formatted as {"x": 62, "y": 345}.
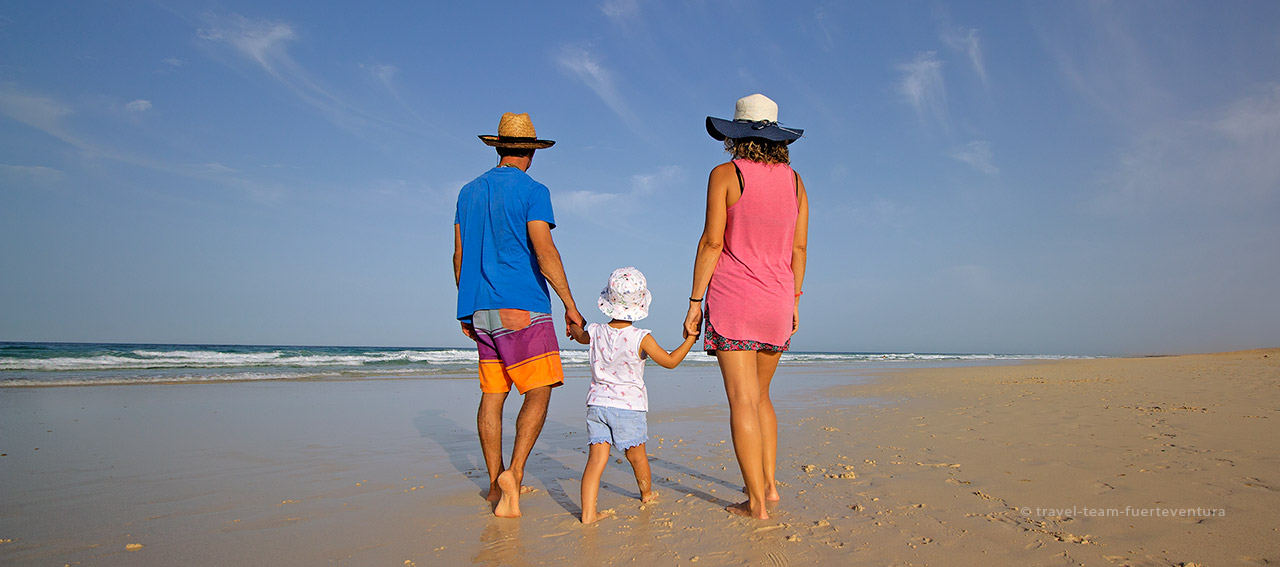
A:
{"x": 726, "y": 167}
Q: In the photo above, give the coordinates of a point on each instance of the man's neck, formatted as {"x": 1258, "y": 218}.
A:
{"x": 521, "y": 163}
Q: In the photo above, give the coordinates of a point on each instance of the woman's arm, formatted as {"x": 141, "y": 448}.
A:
{"x": 799, "y": 246}
{"x": 711, "y": 243}
{"x": 649, "y": 346}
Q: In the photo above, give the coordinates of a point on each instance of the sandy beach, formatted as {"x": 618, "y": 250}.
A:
{"x": 1138, "y": 461}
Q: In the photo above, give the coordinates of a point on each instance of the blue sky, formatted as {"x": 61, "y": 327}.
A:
{"x": 1049, "y": 177}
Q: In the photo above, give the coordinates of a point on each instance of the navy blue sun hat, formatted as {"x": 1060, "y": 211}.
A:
{"x": 754, "y": 116}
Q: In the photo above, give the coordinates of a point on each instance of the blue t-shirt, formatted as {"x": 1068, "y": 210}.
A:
{"x": 499, "y": 267}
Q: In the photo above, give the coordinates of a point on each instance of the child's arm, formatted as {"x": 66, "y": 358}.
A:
{"x": 664, "y": 359}
{"x": 579, "y": 334}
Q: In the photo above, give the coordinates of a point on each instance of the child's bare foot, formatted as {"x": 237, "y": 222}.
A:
{"x": 647, "y": 497}
{"x": 744, "y": 509}
{"x": 509, "y": 499}
{"x": 593, "y": 516}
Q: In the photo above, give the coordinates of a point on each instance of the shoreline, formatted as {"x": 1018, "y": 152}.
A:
{"x": 902, "y": 466}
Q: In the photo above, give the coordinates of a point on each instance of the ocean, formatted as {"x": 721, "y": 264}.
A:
{"x": 79, "y": 364}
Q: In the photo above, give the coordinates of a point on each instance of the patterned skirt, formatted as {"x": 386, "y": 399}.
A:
{"x": 715, "y": 341}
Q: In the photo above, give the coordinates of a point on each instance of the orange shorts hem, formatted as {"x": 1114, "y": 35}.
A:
{"x": 536, "y": 372}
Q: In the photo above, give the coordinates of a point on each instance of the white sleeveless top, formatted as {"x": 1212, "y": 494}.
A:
{"x": 617, "y": 367}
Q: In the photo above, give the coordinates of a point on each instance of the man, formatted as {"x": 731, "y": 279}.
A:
{"x": 503, "y": 259}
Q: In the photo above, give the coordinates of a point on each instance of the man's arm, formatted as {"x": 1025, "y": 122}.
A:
{"x": 553, "y": 270}
{"x": 467, "y": 329}
{"x": 457, "y": 254}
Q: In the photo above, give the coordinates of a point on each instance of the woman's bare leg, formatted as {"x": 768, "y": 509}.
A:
{"x": 766, "y": 364}
{"x": 597, "y": 458}
{"x": 742, "y": 386}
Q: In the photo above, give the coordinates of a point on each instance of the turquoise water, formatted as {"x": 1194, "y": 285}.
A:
{"x": 64, "y": 364}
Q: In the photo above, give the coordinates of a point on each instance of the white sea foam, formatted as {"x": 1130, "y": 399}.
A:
{"x": 158, "y": 359}
{"x": 37, "y": 364}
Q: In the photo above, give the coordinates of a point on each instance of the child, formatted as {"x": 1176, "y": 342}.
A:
{"x": 617, "y": 401}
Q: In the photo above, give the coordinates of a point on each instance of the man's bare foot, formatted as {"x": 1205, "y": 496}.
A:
{"x": 744, "y": 509}
{"x": 495, "y": 493}
{"x": 509, "y": 501}
{"x": 647, "y": 497}
{"x": 593, "y": 516}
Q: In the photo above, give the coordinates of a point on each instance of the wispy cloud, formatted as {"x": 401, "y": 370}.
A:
{"x": 1108, "y": 66}
{"x": 978, "y": 155}
{"x": 619, "y": 10}
{"x": 139, "y": 105}
{"x": 823, "y": 35}
{"x": 1227, "y": 160}
{"x": 56, "y": 118}
{"x": 173, "y": 62}
{"x": 582, "y": 64}
{"x": 42, "y": 113}
{"x": 968, "y": 42}
{"x": 384, "y": 75}
{"x": 266, "y": 43}
{"x": 601, "y": 207}
{"x": 263, "y": 41}
{"x": 923, "y": 88}
{"x": 30, "y": 173}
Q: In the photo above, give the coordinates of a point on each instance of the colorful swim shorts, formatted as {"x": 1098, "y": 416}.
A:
{"x": 516, "y": 347}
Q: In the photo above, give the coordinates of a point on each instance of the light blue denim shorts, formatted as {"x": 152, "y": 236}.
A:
{"x": 622, "y": 428}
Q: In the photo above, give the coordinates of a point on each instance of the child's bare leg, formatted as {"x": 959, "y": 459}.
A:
{"x": 597, "y": 458}
{"x": 640, "y": 464}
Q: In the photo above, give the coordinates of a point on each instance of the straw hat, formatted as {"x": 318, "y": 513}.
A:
{"x": 516, "y": 131}
{"x": 754, "y": 116}
{"x": 627, "y": 296}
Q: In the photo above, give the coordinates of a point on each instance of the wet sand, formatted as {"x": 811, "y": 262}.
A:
{"x": 1146, "y": 461}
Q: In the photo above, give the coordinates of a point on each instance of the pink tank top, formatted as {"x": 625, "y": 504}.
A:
{"x": 752, "y": 291}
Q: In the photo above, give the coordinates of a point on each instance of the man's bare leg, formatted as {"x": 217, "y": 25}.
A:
{"x": 742, "y": 387}
{"x": 766, "y": 365}
{"x": 489, "y": 424}
{"x": 533, "y": 414}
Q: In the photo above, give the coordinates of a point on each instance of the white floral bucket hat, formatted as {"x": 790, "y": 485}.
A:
{"x": 627, "y": 297}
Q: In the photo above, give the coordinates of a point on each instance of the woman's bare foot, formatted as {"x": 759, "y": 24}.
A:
{"x": 770, "y": 493}
{"x": 744, "y": 509}
{"x": 593, "y": 516}
{"x": 509, "y": 499}
{"x": 647, "y": 497}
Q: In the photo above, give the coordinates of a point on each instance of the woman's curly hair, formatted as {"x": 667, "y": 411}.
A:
{"x": 758, "y": 150}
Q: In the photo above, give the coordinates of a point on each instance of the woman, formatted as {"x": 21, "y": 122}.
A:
{"x": 748, "y": 273}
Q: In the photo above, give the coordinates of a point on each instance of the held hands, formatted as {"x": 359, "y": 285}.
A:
{"x": 571, "y": 318}
{"x": 693, "y": 320}
{"x": 468, "y": 330}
